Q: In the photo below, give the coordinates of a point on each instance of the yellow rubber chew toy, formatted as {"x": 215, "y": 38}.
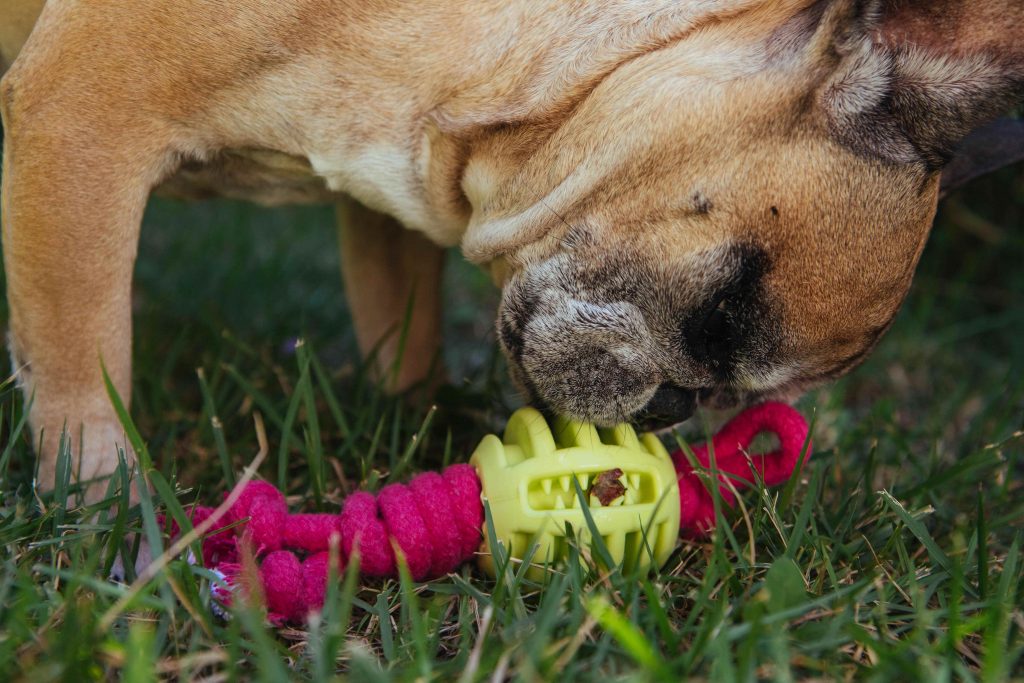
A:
{"x": 527, "y": 481}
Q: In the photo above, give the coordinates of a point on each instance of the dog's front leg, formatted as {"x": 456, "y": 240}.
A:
{"x": 77, "y": 171}
{"x": 393, "y": 284}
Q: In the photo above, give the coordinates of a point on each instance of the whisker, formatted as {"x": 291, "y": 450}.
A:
{"x": 572, "y": 228}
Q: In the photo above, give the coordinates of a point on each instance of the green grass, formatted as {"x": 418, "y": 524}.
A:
{"x": 895, "y": 557}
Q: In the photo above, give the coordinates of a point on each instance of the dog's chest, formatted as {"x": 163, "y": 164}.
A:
{"x": 381, "y": 177}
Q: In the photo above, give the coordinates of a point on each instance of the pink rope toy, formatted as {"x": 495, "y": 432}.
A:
{"x": 437, "y": 520}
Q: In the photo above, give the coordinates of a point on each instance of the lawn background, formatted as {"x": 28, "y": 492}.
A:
{"x": 895, "y": 556}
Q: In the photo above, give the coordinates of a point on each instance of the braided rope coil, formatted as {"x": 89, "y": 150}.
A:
{"x": 434, "y": 521}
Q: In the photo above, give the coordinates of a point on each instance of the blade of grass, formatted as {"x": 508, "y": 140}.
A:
{"x": 115, "y": 541}
{"x": 919, "y": 530}
{"x": 314, "y": 445}
{"x": 127, "y": 424}
{"x": 596, "y": 539}
{"x": 628, "y": 636}
{"x": 12, "y": 439}
{"x": 217, "y": 428}
{"x": 284, "y": 450}
{"x": 412, "y": 615}
{"x": 995, "y": 662}
{"x": 790, "y": 488}
{"x": 329, "y": 396}
{"x": 804, "y": 516}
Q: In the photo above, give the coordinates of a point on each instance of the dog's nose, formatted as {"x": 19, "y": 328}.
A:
{"x": 670, "y": 405}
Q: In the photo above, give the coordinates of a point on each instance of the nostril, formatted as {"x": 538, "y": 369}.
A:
{"x": 670, "y": 405}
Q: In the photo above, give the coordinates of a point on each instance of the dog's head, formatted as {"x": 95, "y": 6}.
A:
{"x": 736, "y": 214}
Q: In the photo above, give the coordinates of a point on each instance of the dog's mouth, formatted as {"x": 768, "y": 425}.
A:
{"x": 669, "y": 407}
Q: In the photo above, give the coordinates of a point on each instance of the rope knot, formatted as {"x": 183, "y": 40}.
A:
{"x": 734, "y": 464}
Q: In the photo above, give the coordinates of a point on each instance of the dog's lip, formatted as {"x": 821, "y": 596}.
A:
{"x": 725, "y": 398}
{"x": 703, "y": 394}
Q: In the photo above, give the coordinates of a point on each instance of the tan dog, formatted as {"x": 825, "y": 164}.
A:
{"x": 683, "y": 200}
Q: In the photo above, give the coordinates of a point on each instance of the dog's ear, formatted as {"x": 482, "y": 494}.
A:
{"x": 985, "y": 150}
{"x": 916, "y": 76}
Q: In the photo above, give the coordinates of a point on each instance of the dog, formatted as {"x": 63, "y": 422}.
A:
{"x": 684, "y": 202}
